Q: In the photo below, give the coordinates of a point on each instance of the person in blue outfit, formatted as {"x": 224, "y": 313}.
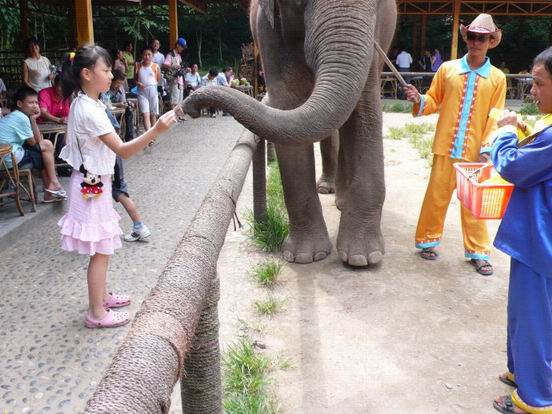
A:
{"x": 525, "y": 234}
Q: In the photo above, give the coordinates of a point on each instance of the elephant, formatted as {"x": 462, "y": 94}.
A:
{"x": 322, "y": 75}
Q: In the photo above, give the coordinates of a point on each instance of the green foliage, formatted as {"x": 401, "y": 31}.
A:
{"x": 269, "y": 306}
{"x": 270, "y": 234}
{"x": 401, "y": 107}
{"x": 245, "y": 380}
{"x": 529, "y": 108}
{"x": 266, "y": 274}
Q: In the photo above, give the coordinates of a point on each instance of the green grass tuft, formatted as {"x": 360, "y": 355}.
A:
{"x": 420, "y": 137}
{"x": 245, "y": 380}
{"x": 395, "y": 133}
{"x": 268, "y": 307}
{"x": 270, "y": 234}
{"x": 402, "y": 107}
{"x": 267, "y": 273}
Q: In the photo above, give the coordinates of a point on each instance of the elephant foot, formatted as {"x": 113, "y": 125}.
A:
{"x": 306, "y": 249}
{"x": 360, "y": 246}
{"x": 325, "y": 185}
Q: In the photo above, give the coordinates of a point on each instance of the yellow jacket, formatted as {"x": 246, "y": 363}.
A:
{"x": 463, "y": 97}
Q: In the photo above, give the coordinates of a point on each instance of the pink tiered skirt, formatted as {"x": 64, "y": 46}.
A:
{"x": 90, "y": 226}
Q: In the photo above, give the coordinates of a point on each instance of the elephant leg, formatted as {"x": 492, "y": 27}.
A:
{"x": 329, "y": 148}
{"x": 360, "y": 241}
{"x": 308, "y": 239}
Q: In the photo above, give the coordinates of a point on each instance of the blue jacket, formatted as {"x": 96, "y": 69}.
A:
{"x": 526, "y": 229}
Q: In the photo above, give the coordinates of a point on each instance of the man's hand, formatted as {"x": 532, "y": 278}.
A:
{"x": 167, "y": 120}
{"x": 412, "y": 93}
{"x": 508, "y": 118}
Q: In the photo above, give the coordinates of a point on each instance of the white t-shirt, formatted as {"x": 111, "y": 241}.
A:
{"x": 404, "y": 60}
{"x": 158, "y": 58}
{"x": 87, "y": 122}
{"x": 193, "y": 79}
{"x": 39, "y": 70}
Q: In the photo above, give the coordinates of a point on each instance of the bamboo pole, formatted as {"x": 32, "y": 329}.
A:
{"x": 455, "y": 28}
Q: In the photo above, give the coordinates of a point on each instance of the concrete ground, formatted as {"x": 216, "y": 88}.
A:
{"x": 408, "y": 336}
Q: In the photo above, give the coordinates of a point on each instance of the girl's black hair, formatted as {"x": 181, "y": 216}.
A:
{"x": 85, "y": 57}
{"x": 31, "y": 41}
{"x": 545, "y": 58}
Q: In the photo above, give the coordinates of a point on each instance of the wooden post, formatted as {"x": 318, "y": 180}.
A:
{"x": 24, "y": 19}
{"x": 455, "y": 28}
{"x": 423, "y": 36}
{"x": 414, "y": 43}
{"x": 84, "y": 22}
{"x": 173, "y": 22}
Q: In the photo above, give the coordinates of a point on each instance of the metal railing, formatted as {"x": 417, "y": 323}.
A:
{"x": 175, "y": 332}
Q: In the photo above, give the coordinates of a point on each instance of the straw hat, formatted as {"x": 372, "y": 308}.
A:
{"x": 483, "y": 24}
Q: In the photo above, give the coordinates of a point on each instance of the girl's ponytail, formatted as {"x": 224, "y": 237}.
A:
{"x": 84, "y": 57}
{"x": 70, "y": 81}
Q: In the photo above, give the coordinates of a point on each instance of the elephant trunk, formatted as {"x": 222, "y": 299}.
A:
{"x": 339, "y": 38}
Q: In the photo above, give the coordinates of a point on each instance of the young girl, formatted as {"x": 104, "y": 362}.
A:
{"x": 148, "y": 76}
{"x": 91, "y": 224}
{"x": 525, "y": 234}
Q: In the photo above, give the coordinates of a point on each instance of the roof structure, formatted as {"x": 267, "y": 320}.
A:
{"x": 475, "y": 7}
{"x": 50, "y": 6}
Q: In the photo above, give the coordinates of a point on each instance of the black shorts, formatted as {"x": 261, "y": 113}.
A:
{"x": 32, "y": 157}
{"x": 119, "y": 185}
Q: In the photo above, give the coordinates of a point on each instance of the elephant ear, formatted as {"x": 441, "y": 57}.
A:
{"x": 268, "y": 8}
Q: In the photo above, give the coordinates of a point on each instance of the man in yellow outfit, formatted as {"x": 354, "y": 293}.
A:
{"x": 463, "y": 91}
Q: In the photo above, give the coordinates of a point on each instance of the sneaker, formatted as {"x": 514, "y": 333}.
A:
{"x": 139, "y": 235}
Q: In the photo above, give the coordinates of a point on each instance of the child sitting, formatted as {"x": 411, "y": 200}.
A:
{"x": 116, "y": 95}
{"x": 20, "y": 130}
{"x": 525, "y": 234}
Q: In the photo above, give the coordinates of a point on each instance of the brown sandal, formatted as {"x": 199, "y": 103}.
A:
{"x": 483, "y": 267}
{"x": 429, "y": 253}
{"x": 507, "y": 379}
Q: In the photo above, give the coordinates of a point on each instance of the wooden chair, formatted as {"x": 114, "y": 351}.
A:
{"x": 14, "y": 177}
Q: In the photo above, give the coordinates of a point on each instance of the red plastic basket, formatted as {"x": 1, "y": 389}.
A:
{"x": 485, "y": 201}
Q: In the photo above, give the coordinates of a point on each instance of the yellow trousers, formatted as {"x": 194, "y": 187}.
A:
{"x": 434, "y": 209}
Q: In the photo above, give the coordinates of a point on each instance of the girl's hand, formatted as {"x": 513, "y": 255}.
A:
{"x": 508, "y": 118}
{"x": 164, "y": 123}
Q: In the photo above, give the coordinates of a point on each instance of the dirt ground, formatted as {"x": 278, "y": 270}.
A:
{"x": 407, "y": 336}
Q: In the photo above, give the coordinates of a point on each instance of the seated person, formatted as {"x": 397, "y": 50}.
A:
{"x": 3, "y": 89}
{"x": 53, "y": 108}
{"x": 116, "y": 95}
{"x": 192, "y": 79}
{"x": 20, "y": 130}
{"x": 211, "y": 80}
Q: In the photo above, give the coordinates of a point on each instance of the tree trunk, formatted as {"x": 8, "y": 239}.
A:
{"x": 220, "y": 46}
{"x": 199, "y": 41}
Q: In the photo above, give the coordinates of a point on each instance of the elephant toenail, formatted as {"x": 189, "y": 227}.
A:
{"x": 375, "y": 257}
{"x": 343, "y": 256}
{"x": 358, "y": 260}
{"x": 320, "y": 256}
{"x": 303, "y": 258}
{"x": 288, "y": 256}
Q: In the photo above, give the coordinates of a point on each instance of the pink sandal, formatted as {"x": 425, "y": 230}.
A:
{"x": 116, "y": 301}
{"x": 110, "y": 320}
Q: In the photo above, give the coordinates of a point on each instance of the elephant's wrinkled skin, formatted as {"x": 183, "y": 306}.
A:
{"x": 322, "y": 75}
